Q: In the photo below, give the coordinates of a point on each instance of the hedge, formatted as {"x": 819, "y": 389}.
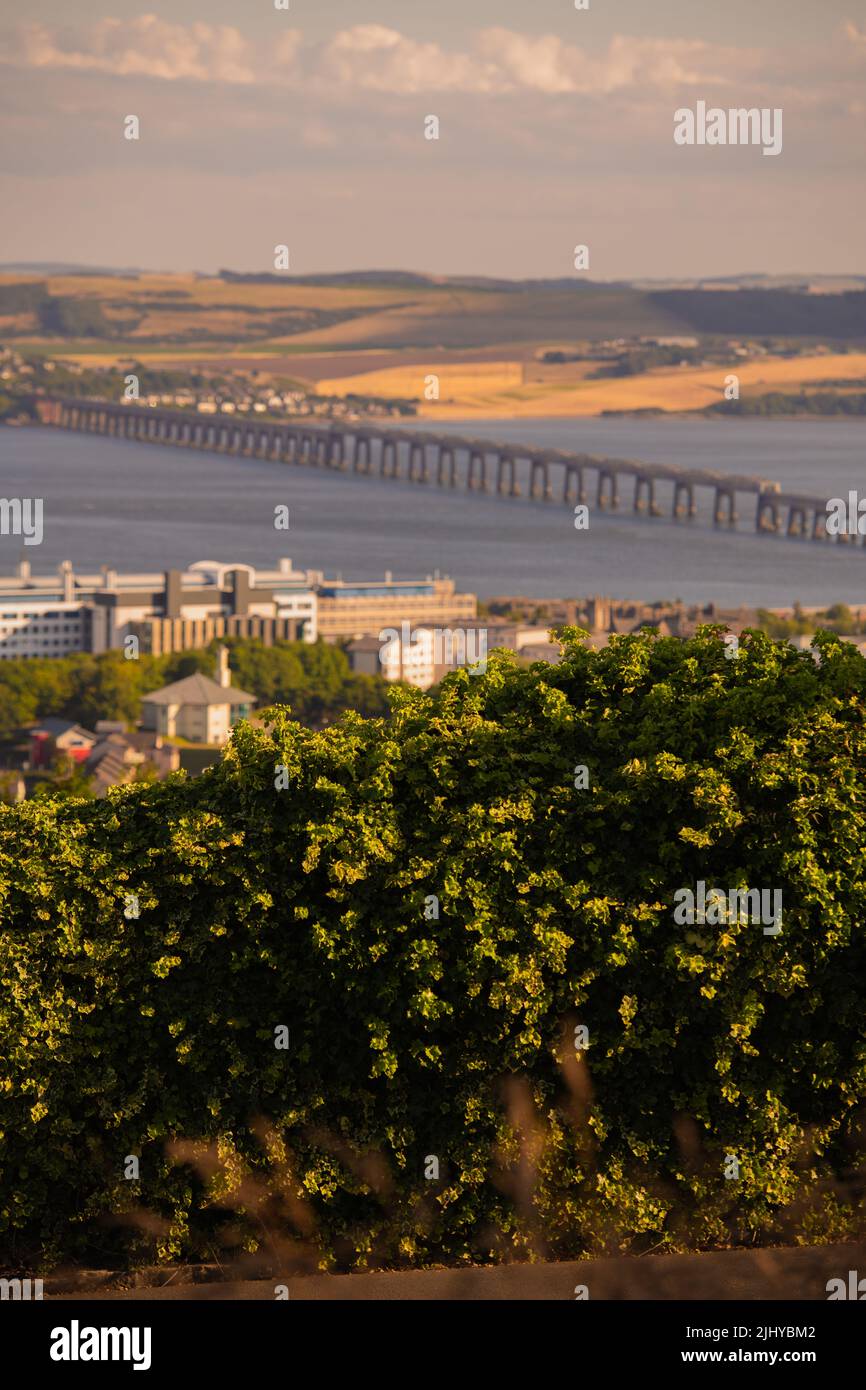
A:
{"x": 716, "y": 1097}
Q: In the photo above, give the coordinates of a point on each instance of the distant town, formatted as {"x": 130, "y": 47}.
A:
{"x": 130, "y": 674}
{"x": 24, "y": 378}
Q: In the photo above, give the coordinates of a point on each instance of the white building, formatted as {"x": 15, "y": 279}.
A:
{"x": 56, "y": 614}
{"x": 197, "y": 708}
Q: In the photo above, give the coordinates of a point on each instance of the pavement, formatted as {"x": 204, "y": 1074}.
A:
{"x": 771, "y": 1274}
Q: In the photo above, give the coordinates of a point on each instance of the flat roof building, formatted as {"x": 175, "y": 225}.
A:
{"x": 53, "y": 615}
{"x": 348, "y": 610}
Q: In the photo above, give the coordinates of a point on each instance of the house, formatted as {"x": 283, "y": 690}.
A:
{"x": 197, "y": 708}
{"x": 117, "y": 756}
{"x": 363, "y": 656}
{"x": 52, "y": 737}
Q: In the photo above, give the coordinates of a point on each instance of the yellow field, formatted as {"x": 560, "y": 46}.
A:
{"x": 478, "y": 382}
{"x": 499, "y": 387}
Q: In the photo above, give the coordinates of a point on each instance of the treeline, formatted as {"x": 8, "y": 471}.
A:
{"x": 796, "y": 403}
{"x": 638, "y": 360}
{"x": 70, "y": 316}
{"x": 790, "y": 313}
{"x": 838, "y": 619}
{"x": 314, "y": 679}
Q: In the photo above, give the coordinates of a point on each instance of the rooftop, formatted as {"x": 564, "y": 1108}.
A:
{"x": 198, "y": 690}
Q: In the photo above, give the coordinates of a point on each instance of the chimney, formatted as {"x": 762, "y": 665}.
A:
{"x": 223, "y": 674}
{"x": 68, "y": 579}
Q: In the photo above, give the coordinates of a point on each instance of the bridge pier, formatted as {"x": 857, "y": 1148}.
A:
{"x": 767, "y": 512}
{"x": 390, "y": 463}
{"x": 797, "y": 524}
{"x": 608, "y": 495}
{"x": 645, "y": 483}
{"x": 725, "y": 507}
{"x": 418, "y": 454}
{"x": 684, "y": 499}
{"x": 573, "y": 474}
{"x": 446, "y": 453}
{"x": 506, "y": 464}
{"x": 539, "y": 480}
{"x": 361, "y": 462}
{"x": 477, "y": 461}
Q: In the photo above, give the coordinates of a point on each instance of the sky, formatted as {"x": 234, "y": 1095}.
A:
{"x": 305, "y": 127}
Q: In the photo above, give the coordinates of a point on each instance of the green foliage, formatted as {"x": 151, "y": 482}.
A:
{"x": 75, "y": 316}
{"x": 795, "y": 403}
{"x": 306, "y": 907}
{"x": 635, "y": 361}
{"x": 780, "y": 312}
{"x": 23, "y": 296}
{"x": 837, "y": 618}
{"x": 68, "y": 779}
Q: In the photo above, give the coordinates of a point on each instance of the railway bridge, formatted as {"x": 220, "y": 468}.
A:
{"x": 455, "y": 461}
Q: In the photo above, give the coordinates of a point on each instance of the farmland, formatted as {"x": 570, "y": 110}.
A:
{"x": 487, "y": 341}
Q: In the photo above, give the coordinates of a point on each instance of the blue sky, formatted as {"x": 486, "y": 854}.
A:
{"x": 306, "y": 127}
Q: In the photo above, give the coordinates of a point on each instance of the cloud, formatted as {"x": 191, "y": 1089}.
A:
{"x": 374, "y": 58}
{"x": 146, "y": 46}
{"x": 546, "y": 64}
{"x": 367, "y": 57}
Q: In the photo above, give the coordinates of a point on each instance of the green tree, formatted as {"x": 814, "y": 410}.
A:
{"x": 431, "y": 904}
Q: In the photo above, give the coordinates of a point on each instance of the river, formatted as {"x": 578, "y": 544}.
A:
{"x": 146, "y": 506}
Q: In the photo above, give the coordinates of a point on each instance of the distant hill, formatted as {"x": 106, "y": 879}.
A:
{"x": 63, "y": 268}
{"x": 403, "y": 310}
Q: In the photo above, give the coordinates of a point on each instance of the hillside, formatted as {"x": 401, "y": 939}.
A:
{"x": 394, "y": 310}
